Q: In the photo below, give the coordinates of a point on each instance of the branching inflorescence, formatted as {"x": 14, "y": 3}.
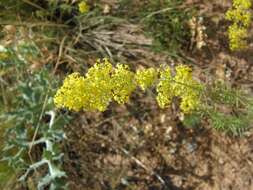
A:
{"x": 240, "y": 15}
{"x": 104, "y": 83}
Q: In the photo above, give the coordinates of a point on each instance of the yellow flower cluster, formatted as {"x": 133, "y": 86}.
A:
{"x": 237, "y": 36}
{"x": 89, "y": 93}
{"x": 123, "y": 83}
{"x": 95, "y": 91}
{"x": 98, "y": 86}
{"x": 71, "y": 95}
{"x": 165, "y": 88}
{"x": 146, "y": 77}
{"x": 181, "y": 85}
{"x": 246, "y": 4}
{"x": 241, "y": 17}
{"x": 188, "y": 89}
{"x": 104, "y": 83}
{"x": 83, "y": 7}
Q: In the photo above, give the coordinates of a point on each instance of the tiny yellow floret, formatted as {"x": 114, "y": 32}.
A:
{"x": 83, "y": 7}
{"x": 146, "y": 77}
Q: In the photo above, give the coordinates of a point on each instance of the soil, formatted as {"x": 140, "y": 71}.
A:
{"x": 139, "y": 146}
{"x": 151, "y": 150}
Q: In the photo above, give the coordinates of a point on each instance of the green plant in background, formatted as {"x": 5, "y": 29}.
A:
{"x": 240, "y": 16}
{"x": 33, "y": 125}
{"x": 166, "y": 21}
{"x": 227, "y": 109}
{"x": 230, "y": 108}
{"x": 43, "y": 11}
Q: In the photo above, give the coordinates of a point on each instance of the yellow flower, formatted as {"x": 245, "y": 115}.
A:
{"x": 83, "y": 7}
{"x": 237, "y": 37}
{"x": 104, "y": 83}
{"x": 189, "y": 103}
{"x": 187, "y": 89}
{"x": 95, "y": 91}
{"x": 164, "y": 88}
{"x": 242, "y": 4}
{"x": 240, "y": 15}
{"x": 182, "y": 79}
{"x": 91, "y": 93}
{"x": 99, "y": 86}
{"x": 123, "y": 83}
{"x": 72, "y": 93}
{"x": 145, "y": 78}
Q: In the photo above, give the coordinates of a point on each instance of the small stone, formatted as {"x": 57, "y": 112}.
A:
{"x": 172, "y": 151}
{"x": 162, "y": 118}
{"x": 221, "y": 161}
{"x": 191, "y": 147}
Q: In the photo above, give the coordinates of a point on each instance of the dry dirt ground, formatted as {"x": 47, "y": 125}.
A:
{"x": 139, "y": 146}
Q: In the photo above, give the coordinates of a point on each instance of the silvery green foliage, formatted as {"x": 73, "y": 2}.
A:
{"x": 34, "y": 125}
